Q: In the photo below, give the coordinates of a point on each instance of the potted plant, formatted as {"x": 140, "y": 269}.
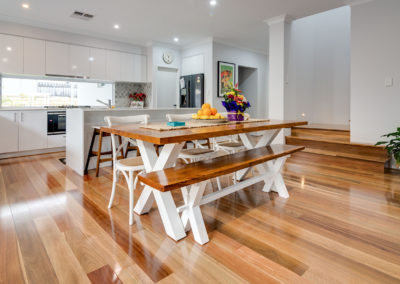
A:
{"x": 137, "y": 100}
{"x": 235, "y": 104}
{"x": 393, "y": 148}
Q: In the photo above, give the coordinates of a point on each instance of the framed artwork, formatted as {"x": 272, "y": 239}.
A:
{"x": 226, "y": 76}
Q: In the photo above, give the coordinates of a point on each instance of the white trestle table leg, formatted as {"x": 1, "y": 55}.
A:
{"x": 192, "y": 213}
{"x": 276, "y": 179}
{"x": 166, "y": 205}
{"x": 249, "y": 143}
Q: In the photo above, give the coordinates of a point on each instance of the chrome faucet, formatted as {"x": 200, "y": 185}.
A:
{"x": 106, "y": 104}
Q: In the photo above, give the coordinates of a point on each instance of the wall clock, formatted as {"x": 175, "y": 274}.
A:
{"x": 168, "y": 57}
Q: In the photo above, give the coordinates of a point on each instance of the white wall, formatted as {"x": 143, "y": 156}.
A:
{"x": 222, "y": 52}
{"x": 156, "y": 58}
{"x": 191, "y": 64}
{"x": 375, "y": 55}
{"x": 318, "y": 68}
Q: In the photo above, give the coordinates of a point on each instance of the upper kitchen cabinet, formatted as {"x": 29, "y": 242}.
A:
{"x": 11, "y": 54}
{"x": 97, "y": 63}
{"x": 113, "y": 65}
{"x": 79, "y": 61}
{"x": 127, "y": 74}
{"x": 57, "y": 58}
{"x": 133, "y": 67}
{"x": 140, "y": 68}
{"x": 34, "y": 56}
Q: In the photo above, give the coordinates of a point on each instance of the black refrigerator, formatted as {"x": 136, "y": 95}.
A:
{"x": 191, "y": 90}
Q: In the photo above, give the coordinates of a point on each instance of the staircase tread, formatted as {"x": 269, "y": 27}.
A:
{"x": 345, "y": 155}
{"x": 333, "y": 127}
{"x": 333, "y": 141}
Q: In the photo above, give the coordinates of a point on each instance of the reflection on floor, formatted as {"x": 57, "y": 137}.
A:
{"x": 340, "y": 224}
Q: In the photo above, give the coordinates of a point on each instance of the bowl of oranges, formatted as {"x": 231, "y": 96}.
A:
{"x": 208, "y": 113}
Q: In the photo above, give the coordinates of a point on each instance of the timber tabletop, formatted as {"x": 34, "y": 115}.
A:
{"x": 161, "y": 137}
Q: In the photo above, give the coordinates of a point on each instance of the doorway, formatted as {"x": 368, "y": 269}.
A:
{"x": 248, "y": 83}
{"x": 167, "y": 87}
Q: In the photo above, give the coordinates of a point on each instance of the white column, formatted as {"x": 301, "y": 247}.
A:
{"x": 278, "y": 31}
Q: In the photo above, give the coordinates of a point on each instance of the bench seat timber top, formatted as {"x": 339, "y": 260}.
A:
{"x": 188, "y": 174}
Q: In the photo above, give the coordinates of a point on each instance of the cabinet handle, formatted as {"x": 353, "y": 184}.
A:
{"x": 15, "y": 117}
{"x": 22, "y": 117}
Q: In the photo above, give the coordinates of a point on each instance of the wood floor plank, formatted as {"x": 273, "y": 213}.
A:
{"x": 66, "y": 266}
{"x": 104, "y": 275}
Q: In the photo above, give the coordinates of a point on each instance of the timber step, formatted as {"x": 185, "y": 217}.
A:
{"x": 324, "y": 134}
{"x": 188, "y": 174}
{"x": 335, "y": 146}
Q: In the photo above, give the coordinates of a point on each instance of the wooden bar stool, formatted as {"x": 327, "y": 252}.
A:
{"x": 131, "y": 147}
{"x": 99, "y": 153}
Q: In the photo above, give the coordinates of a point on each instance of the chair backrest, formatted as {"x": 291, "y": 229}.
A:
{"x": 113, "y": 120}
{"x": 117, "y": 120}
{"x": 178, "y": 117}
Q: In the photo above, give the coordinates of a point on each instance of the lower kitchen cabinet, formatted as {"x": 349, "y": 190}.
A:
{"x": 9, "y": 131}
{"x": 56, "y": 141}
{"x": 32, "y": 130}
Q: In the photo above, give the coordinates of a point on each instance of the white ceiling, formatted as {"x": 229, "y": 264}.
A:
{"x": 236, "y": 22}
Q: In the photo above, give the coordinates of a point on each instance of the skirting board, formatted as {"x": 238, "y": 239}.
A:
{"x": 29, "y": 153}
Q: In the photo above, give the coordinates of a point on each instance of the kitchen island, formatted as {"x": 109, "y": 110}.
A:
{"x": 80, "y": 123}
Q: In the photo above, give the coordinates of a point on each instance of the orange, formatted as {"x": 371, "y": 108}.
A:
{"x": 207, "y": 112}
{"x": 206, "y": 106}
{"x": 200, "y": 113}
{"x": 213, "y": 111}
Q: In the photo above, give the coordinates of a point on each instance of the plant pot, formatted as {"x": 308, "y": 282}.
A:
{"x": 137, "y": 104}
{"x": 234, "y": 116}
{"x": 393, "y": 164}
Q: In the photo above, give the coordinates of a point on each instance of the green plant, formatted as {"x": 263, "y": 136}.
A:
{"x": 393, "y": 145}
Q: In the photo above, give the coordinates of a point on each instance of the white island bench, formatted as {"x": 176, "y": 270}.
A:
{"x": 80, "y": 122}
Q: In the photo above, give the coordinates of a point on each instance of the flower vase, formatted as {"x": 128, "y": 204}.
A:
{"x": 235, "y": 116}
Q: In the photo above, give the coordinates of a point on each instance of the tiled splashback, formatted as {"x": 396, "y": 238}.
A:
{"x": 122, "y": 91}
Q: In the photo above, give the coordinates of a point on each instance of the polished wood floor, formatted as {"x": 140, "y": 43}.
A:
{"x": 340, "y": 225}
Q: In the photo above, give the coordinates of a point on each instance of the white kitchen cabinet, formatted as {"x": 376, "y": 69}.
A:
{"x": 127, "y": 74}
{"x": 57, "y": 58}
{"x": 113, "y": 65}
{"x": 79, "y": 60}
{"x": 32, "y": 130}
{"x": 98, "y": 63}
{"x": 133, "y": 67}
{"x": 9, "y": 130}
{"x": 11, "y": 54}
{"x": 139, "y": 68}
{"x": 56, "y": 141}
{"x": 34, "y": 56}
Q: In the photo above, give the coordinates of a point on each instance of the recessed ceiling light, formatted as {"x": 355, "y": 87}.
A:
{"x": 9, "y": 48}
{"x": 116, "y": 26}
{"x": 176, "y": 39}
{"x": 91, "y": 58}
{"x": 213, "y": 2}
{"x": 25, "y": 6}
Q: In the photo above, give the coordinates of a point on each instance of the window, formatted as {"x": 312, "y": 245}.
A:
{"x": 22, "y": 92}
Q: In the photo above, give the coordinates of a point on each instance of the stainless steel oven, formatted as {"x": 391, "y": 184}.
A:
{"x": 56, "y": 122}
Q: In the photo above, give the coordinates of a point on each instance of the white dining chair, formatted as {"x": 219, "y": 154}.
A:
{"x": 232, "y": 145}
{"x": 199, "y": 152}
{"x": 125, "y": 166}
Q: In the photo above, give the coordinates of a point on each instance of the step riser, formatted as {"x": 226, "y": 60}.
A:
{"x": 331, "y": 135}
{"x": 370, "y": 153}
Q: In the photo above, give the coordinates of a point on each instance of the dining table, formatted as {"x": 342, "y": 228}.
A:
{"x": 173, "y": 140}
